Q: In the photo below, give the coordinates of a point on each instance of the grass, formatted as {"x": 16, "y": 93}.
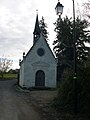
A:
{"x": 9, "y": 76}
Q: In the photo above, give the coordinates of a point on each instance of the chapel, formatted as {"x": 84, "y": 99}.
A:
{"x": 39, "y": 66}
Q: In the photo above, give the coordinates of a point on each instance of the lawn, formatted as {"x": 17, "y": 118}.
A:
{"x": 9, "y": 76}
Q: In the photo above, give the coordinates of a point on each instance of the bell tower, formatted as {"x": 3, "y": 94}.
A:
{"x": 37, "y": 31}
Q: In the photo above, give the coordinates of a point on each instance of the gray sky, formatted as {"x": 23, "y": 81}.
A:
{"x": 17, "y": 20}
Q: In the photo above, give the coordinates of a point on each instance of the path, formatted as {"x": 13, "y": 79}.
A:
{"x": 14, "y": 105}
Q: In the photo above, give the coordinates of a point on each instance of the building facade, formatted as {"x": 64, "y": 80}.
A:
{"x": 38, "y": 67}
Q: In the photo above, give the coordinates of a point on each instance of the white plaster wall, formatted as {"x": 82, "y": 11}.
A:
{"x": 21, "y": 77}
{"x": 29, "y": 75}
{"x": 33, "y": 62}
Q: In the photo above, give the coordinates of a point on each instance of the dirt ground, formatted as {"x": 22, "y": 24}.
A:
{"x": 14, "y": 104}
{"x": 22, "y": 104}
{"x": 41, "y": 100}
{"x": 43, "y": 96}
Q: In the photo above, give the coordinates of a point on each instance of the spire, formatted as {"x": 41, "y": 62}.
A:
{"x": 37, "y": 31}
{"x": 37, "y": 28}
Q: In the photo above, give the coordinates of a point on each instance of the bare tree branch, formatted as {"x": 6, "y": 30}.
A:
{"x": 5, "y": 65}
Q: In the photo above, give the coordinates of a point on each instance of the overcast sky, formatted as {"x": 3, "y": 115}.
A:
{"x": 17, "y": 21}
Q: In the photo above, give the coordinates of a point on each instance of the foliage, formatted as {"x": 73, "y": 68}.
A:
{"x": 63, "y": 37}
{"x": 13, "y": 71}
{"x": 63, "y": 44}
{"x": 64, "y": 100}
{"x": 87, "y": 8}
{"x": 84, "y": 87}
{"x": 44, "y": 27}
{"x": 5, "y": 65}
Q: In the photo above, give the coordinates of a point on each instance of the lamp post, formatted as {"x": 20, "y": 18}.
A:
{"x": 75, "y": 64}
{"x": 59, "y": 11}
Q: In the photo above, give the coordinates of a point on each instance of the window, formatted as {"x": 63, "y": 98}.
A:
{"x": 40, "y": 51}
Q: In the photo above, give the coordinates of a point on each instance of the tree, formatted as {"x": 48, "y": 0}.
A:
{"x": 5, "y": 65}
{"x": 63, "y": 37}
{"x": 64, "y": 99}
{"x": 63, "y": 45}
{"x": 87, "y": 8}
{"x": 44, "y": 27}
{"x": 13, "y": 71}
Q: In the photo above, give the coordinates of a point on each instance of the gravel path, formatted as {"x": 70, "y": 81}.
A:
{"x": 13, "y": 105}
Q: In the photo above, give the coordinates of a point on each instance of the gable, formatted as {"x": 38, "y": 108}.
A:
{"x": 40, "y": 51}
{"x": 46, "y": 45}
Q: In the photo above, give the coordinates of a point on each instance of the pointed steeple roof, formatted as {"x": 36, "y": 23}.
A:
{"x": 37, "y": 30}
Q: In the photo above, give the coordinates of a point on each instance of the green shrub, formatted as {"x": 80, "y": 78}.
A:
{"x": 64, "y": 99}
{"x": 84, "y": 89}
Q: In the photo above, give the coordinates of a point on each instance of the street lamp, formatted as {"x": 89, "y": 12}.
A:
{"x": 59, "y": 11}
{"x": 59, "y": 8}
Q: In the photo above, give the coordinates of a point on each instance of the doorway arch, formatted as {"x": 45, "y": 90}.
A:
{"x": 40, "y": 78}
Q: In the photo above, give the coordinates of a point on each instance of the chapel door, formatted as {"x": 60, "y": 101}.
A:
{"x": 40, "y": 78}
